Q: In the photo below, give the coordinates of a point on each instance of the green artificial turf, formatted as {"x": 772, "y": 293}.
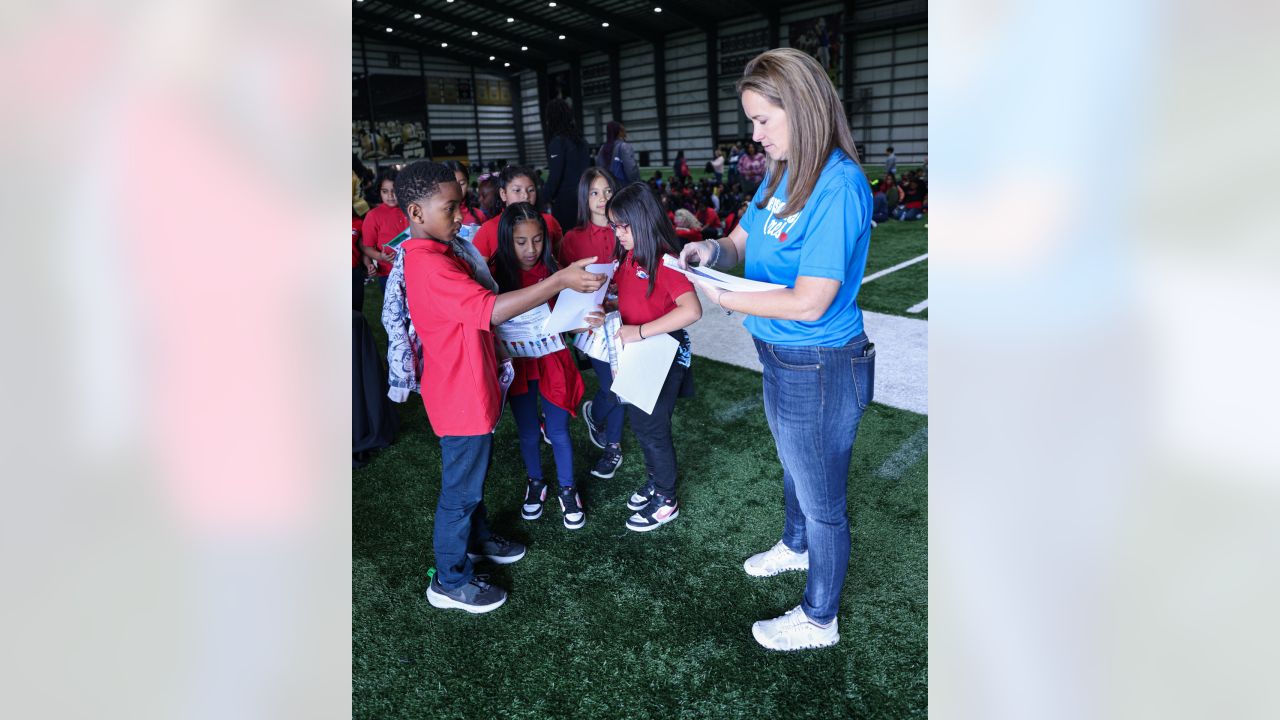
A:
{"x": 603, "y": 622}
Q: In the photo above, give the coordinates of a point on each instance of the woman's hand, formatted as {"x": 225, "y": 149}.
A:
{"x": 386, "y": 257}
{"x": 629, "y": 334}
{"x": 712, "y": 292}
{"x": 575, "y": 277}
{"x": 701, "y": 250}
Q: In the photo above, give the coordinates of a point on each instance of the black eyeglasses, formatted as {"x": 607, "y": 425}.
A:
{"x": 615, "y": 226}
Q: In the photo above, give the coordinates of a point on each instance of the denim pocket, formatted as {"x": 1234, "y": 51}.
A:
{"x": 795, "y": 358}
{"x": 864, "y": 378}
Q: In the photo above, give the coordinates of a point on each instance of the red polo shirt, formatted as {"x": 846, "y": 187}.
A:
{"x": 636, "y": 309}
{"x": 587, "y": 240}
{"x": 381, "y": 225}
{"x": 486, "y": 239}
{"x": 452, "y": 314}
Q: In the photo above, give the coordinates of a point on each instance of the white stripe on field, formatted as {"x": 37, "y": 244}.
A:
{"x": 895, "y": 268}
{"x": 919, "y": 306}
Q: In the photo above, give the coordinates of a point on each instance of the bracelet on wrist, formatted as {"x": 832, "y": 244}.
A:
{"x": 640, "y": 329}
{"x": 715, "y": 253}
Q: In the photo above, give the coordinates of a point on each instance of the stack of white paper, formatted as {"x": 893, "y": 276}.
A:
{"x": 572, "y": 306}
{"x": 719, "y": 279}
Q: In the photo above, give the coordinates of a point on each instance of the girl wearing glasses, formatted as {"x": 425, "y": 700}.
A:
{"x": 652, "y": 299}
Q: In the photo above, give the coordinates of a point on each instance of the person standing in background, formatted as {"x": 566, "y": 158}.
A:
{"x": 617, "y": 156}
{"x": 890, "y": 161}
{"x": 567, "y": 154}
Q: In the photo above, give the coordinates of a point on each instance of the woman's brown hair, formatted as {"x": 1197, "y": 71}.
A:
{"x": 795, "y": 82}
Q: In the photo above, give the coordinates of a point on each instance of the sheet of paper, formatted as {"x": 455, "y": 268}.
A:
{"x": 572, "y": 307}
{"x": 642, "y": 369}
{"x": 719, "y": 279}
{"x": 522, "y": 335}
{"x": 599, "y": 342}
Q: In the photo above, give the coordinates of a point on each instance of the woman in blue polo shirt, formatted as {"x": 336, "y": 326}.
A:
{"x": 808, "y": 228}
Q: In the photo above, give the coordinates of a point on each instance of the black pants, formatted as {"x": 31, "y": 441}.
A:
{"x": 653, "y": 432}
{"x": 357, "y": 288}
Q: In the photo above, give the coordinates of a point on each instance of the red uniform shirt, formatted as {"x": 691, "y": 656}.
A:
{"x": 355, "y": 241}
{"x": 558, "y": 378}
{"x": 636, "y": 309}
{"x": 587, "y": 240}
{"x": 689, "y": 235}
{"x": 381, "y": 225}
{"x": 486, "y": 239}
{"x": 452, "y": 314}
{"x": 472, "y": 216}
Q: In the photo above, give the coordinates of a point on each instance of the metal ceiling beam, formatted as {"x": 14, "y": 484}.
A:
{"x": 685, "y": 12}
{"x": 491, "y": 30}
{"x": 465, "y": 42}
{"x": 615, "y": 22}
{"x": 434, "y": 49}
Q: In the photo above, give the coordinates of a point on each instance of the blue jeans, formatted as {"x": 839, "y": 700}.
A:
{"x": 525, "y": 409}
{"x": 813, "y": 399}
{"x": 605, "y": 408}
{"x": 461, "y": 520}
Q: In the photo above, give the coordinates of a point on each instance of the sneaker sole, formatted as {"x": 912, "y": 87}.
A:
{"x": 448, "y": 603}
{"x": 755, "y": 633}
{"x": 613, "y": 472}
{"x": 654, "y": 526}
{"x": 591, "y": 427}
{"x": 534, "y": 516}
{"x": 577, "y": 526}
{"x": 771, "y": 574}
{"x": 497, "y": 559}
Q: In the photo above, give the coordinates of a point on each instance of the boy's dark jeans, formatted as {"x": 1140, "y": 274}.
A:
{"x": 653, "y": 432}
{"x": 461, "y": 521}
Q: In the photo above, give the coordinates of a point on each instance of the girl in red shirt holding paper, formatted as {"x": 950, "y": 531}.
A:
{"x": 524, "y": 259}
{"x": 594, "y": 238}
{"x": 653, "y": 299}
{"x": 381, "y": 225}
{"x": 515, "y": 185}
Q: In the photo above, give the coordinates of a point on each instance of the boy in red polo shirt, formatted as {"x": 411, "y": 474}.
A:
{"x": 454, "y": 314}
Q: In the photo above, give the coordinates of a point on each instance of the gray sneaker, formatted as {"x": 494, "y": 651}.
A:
{"x": 476, "y": 597}
{"x": 499, "y": 550}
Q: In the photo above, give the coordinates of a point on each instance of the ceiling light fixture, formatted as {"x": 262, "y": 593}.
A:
{"x": 604, "y": 24}
{"x": 474, "y": 33}
{"x": 506, "y": 64}
{"x": 444, "y": 44}
{"x": 550, "y": 4}
{"x": 388, "y": 29}
{"x": 511, "y": 19}
{"x": 524, "y": 48}
{"x": 657, "y": 9}
{"x": 561, "y": 37}
{"x": 417, "y": 16}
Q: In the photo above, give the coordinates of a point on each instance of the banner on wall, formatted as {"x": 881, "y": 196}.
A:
{"x": 388, "y": 138}
{"x": 820, "y": 38}
{"x": 449, "y": 150}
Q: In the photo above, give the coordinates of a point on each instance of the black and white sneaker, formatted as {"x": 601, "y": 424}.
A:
{"x": 595, "y": 432}
{"x": 476, "y": 597}
{"x": 608, "y": 463}
{"x": 499, "y": 550}
{"x": 535, "y": 494}
{"x": 660, "y": 511}
{"x": 571, "y": 505}
{"x": 640, "y": 498}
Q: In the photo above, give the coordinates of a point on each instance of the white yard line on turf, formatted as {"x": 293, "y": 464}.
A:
{"x": 919, "y": 306}
{"x": 895, "y": 268}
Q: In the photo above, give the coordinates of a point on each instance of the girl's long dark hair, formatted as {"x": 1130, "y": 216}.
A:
{"x": 511, "y": 172}
{"x": 506, "y": 266}
{"x": 654, "y": 236}
{"x": 584, "y": 191}
{"x": 458, "y": 167}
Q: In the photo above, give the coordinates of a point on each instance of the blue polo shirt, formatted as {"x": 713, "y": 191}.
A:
{"x": 827, "y": 238}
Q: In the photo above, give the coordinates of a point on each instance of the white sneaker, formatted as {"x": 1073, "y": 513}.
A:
{"x": 777, "y": 559}
{"x": 794, "y": 631}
